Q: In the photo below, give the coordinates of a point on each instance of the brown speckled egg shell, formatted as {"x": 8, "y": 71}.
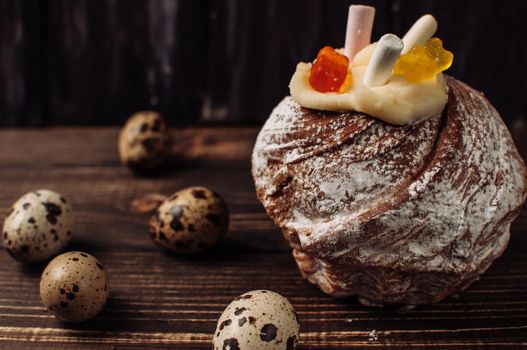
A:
{"x": 144, "y": 141}
{"x": 257, "y": 320}
{"x": 190, "y": 220}
{"x": 38, "y": 226}
{"x": 74, "y": 286}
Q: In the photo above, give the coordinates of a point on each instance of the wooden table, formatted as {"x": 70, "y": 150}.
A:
{"x": 171, "y": 302}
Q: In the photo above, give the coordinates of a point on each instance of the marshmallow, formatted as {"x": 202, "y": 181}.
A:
{"x": 358, "y": 32}
{"x": 382, "y": 61}
{"x": 422, "y": 30}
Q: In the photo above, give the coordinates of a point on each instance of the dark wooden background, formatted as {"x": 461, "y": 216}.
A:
{"x": 85, "y": 62}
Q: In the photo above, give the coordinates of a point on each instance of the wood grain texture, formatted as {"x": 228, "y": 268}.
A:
{"x": 22, "y": 63}
{"x": 98, "y": 61}
{"x": 164, "y": 301}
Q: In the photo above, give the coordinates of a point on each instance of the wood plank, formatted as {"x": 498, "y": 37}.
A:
{"x": 96, "y": 62}
{"x": 162, "y": 301}
{"x": 22, "y": 63}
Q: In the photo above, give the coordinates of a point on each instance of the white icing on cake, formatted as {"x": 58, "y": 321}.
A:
{"x": 398, "y": 102}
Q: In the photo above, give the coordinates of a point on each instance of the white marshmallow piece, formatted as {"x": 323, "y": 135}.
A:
{"x": 422, "y": 30}
{"x": 358, "y": 32}
{"x": 383, "y": 60}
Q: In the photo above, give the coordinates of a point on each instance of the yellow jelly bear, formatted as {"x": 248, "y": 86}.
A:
{"x": 424, "y": 62}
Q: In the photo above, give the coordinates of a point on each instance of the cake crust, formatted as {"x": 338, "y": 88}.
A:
{"x": 392, "y": 214}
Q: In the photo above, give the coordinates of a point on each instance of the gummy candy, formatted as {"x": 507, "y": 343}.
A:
{"x": 424, "y": 62}
{"x": 329, "y": 73}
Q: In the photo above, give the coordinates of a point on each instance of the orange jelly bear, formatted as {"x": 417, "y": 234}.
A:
{"x": 329, "y": 73}
{"x": 424, "y": 62}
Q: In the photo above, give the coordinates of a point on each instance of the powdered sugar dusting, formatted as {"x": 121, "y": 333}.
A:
{"x": 436, "y": 196}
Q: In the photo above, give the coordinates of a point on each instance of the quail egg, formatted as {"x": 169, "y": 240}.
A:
{"x": 74, "y": 286}
{"x": 190, "y": 220}
{"x": 257, "y": 320}
{"x": 38, "y": 226}
{"x": 144, "y": 141}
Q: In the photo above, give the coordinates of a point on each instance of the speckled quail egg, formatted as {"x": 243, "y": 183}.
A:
{"x": 144, "y": 141}
{"x": 257, "y": 320}
{"x": 190, "y": 220}
{"x": 74, "y": 286}
{"x": 38, "y": 226}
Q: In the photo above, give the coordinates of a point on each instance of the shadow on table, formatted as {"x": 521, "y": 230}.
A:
{"x": 174, "y": 165}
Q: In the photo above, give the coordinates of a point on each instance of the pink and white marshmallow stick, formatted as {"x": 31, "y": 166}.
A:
{"x": 358, "y": 32}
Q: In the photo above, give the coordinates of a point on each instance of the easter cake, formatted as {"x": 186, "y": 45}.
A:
{"x": 391, "y": 181}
